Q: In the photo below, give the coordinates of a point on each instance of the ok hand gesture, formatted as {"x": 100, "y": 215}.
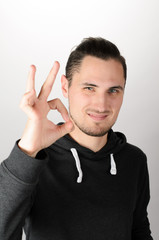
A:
{"x": 40, "y": 132}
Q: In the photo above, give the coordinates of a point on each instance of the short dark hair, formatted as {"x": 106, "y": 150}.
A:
{"x": 96, "y": 47}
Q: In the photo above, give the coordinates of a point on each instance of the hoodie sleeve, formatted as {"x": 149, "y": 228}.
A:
{"x": 141, "y": 226}
{"x": 19, "y": 175}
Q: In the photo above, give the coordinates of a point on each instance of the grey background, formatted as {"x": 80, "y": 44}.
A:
{"x": 39, "y": 32}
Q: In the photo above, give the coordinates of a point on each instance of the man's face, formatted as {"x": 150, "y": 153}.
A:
{"x": 95, "y": 95}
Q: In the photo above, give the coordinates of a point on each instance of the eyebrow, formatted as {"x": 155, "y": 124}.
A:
{"x": 89, "y": 84}
{"x": 118, "y": 87}
{"x": 94, "y": 85}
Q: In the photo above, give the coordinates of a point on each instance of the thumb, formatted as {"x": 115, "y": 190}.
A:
{"x": 65, "y": 128}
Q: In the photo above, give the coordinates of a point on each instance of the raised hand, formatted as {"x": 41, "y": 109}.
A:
{"x": 40, "y": 132}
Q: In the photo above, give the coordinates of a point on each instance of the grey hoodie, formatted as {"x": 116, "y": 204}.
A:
{"x": 72, "y": 193}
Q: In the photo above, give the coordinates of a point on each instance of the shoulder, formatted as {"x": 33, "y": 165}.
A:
{"x": 135, "y": 150}
{"x": 135, "y": 156}
{"x": 125, "y": 148}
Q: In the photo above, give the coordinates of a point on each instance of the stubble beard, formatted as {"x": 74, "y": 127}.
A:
{"x": 96, "y": 132}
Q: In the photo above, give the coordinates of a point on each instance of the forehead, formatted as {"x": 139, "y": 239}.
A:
{"x": 95, "y": 69}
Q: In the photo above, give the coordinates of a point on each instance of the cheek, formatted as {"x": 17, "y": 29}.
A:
{"x": 116, "y": 103}
{"x": 79, "y": 100}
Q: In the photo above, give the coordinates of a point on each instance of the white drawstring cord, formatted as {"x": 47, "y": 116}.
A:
{"x": 78, "y": 164}
{"x": 113, "y": 169}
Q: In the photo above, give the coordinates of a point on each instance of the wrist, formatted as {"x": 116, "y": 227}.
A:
{"x": 24, "y": 148}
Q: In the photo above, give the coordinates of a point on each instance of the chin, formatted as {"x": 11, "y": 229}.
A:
{"x": 94, "y": 132}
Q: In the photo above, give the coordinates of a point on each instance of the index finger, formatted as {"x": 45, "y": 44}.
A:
{"x": 31, "y": 79}
{"x": 47, "y": 86}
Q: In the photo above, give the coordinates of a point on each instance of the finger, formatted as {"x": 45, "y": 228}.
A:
{"x": 31, "y": 79}
{"x": 47, "y": 86}
{"x": 65, "y": 128}
{"x": 28, "y": 100}
{"x": 56, "y": 104}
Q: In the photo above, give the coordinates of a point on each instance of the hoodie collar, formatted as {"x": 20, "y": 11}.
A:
{"x": 115, "y": 142}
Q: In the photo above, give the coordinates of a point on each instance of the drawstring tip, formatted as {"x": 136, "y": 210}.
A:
{"x": 113, "y": 169}
{"x": 79, "y": 179}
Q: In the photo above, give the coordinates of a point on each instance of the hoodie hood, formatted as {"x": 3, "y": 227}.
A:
{"x": 116, "y": 141}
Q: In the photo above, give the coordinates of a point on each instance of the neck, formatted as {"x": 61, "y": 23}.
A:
{"x": 93, "y": 143}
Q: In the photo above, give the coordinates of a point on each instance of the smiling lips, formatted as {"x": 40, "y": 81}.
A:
{"x": 98, "y": 117}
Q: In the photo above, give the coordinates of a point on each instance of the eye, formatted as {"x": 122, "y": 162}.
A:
{"x": 89, "y": 88}
{"x": 113, "y": 90}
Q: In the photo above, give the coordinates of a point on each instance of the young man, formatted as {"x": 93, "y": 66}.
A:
{"x": 79, "y": 179}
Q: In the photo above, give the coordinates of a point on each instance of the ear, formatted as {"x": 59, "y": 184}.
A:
{"x": 64, "y": 86}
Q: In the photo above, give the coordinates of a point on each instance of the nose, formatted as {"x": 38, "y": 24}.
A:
{"x": 102, "y": 102}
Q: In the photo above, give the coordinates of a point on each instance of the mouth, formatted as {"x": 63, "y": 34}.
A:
{"x": 97, "y": 117}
